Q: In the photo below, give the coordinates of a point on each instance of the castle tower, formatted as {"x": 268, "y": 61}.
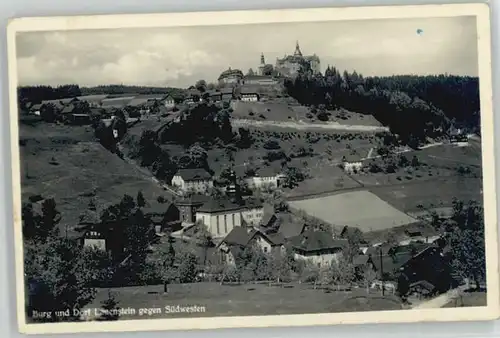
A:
{"x": 262, "y": 60}
{"x": 297, "y": 50}
{"x": 260, "y": 70}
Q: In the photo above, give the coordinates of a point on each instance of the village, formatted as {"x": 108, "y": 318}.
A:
{"x": 293, "y": 195}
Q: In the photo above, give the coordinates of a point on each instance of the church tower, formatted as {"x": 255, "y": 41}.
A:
{"x": 297, "y": 50}
{"x": 260, "y": 70}
{"x": 233, "y": 189}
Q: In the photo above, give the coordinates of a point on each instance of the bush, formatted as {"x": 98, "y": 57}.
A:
{"x": 262, "y": 116}
{"x": 271, "y": 145}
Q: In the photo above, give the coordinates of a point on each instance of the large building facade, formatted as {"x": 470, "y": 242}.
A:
{"x": 290, "y": 65}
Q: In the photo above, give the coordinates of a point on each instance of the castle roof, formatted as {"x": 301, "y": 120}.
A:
{"x": 231, "y": 72}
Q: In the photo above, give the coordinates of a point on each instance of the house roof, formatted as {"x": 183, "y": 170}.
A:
{"x": 291, "y": 229}
{"x": 420, "y": 230}
{"x": 219, "y": 205}
{"x": 248, "y": 91}
{"x": 356, "y": 157}
{"x": 386, "y": 248}
{"x": 68, "y": 109}
{"x": 193, "y": 200}
{"x": 226, "y": 91}
{"x": 231, "y": 72}
{"x": 36, "y": 106}
{"x": 360, "y": 260}
{"x": 253, "y": 203}
{"x": 273, "y": 238}
{"x": 268, "y": 217}
{"x": 239, "y": 236}
{"x": 310, "y": 241}
{"x": 194, "y": 174}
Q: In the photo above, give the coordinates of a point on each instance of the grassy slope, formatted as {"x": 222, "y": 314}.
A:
{"x": 82, "y": 167}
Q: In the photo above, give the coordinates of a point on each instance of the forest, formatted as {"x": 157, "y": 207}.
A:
{"x": 414, "y": 107}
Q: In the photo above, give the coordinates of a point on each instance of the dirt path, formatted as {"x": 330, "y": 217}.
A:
{"x": 441, "y": 300}
{"x": 307, "y": 126}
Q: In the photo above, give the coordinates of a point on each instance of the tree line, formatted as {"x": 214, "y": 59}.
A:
{"x": 414, "y": 107}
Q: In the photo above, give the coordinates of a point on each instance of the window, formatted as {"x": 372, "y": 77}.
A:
{"x": 265, "y": 249}
{"x": 218, "y": 229}
{"x": 233, "y": 220}
{"x": 225, "y": 224}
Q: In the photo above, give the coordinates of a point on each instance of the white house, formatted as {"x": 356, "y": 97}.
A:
{"x": 220, "y": 216}
{"x": 94, "y": 239}
{"x": 195, "y": 180}
{"x": 168, "y": 102}
{"x": 253, "y": 212}
{"x": 35, "y": 109}
{"x": 352, "y": 163}
{"x": 318, "y": 247}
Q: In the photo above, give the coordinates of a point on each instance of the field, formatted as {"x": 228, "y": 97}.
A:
{"x": 279, "y": 111}
{"x": 248, "y": 299}
{"x": 360, "y": 209}
{"x": 432, "y": 193}
{"x": 67, "y": 164}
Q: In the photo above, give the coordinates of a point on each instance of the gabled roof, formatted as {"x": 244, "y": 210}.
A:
{"x": 193, "y": 174}
{"x": 311, "y": 241}
{"x": 68, "y": 109}
{"x": 253, "y": 203}
{"x": 239, "y": 236}
{"x": 269, "y": 216}
{"x": 219, "y": 205}
{"x": 291, "y": 229}
{"x": 361, "y": 260}
{"x": 273, "y": 238}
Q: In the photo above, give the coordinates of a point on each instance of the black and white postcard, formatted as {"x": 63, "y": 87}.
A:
{"x": 253, "y": 168}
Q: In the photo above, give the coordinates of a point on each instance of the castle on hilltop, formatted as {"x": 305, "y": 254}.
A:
{"x": 290, "y": 65}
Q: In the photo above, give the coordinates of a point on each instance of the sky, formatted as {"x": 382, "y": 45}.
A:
{"x": 178, "y": 57}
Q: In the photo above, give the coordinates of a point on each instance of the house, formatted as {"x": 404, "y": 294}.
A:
{"x": 352, "y": 163}
{"x": 196, "y": 180}
{"x": 249, "y": 95}
{"x": 94, "y": 239}
{"x": 259, "y": 80}
{"x": 318, "y": 247}
{"x": 189, "y": 206}
{"x": 192, "y": 96}
{"x": 214, "y": 96}
{"x": 220, "y": 216}
{"x": 168, "y": 101}
{"x": 35, "y": 109}
{"x": 270, "y": 242}
{"x": 79, "y": 119}
{"x": 163, "y": 216}
{"x": 269, "y": 219}
{"x": 253, "y": 212}
{"x": 419, "y": 233}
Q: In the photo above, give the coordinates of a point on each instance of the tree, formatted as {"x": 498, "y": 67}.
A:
{"x": 467, "y": 241}
{"x": 201, "y": 85}
{"x": 343, "y": 271}
{"x": 369, "y": 276}
{"x": 195, "y": 157}
{"x": 149, "y": 150}
{"x": 293, "y": 176}
{"x": 310, "y": 274}
{"x": 268, "y": 70}
{"x": 250, "y": 72}
{"x": 41, "y": 227}
{"x": 187, "y": 269}
{"x": 110, "y": 308}
{"x": 141, "y": 201}
{"x": 167, "y": 265}
{"x": 61, "y": 277}
{"x": 280, "y": 268}
{"x": 391, "y": 239}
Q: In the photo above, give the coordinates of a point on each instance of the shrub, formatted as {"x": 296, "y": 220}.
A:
{"x": 271, "y": 145}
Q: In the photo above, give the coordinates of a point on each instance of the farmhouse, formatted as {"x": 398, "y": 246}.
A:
{"x": 196, "y": 180}
{"x": 352, "y": 163}
{"x": 249, "y": 95}
{"x": 189, "y": 206}
{"x": 168, "y": 101}
{"x": 94, "y": 239}
{"x": 318, "y": 247}
{"x": 220, "y": 216}
{"x": 78, "y": 119}
{"x": 230, "y": 76}
{"x": 419, "y": 233}
{"x": 265, "y": 178}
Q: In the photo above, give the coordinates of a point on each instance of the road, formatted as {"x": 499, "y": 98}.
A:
{"x": 306, "y": 126}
